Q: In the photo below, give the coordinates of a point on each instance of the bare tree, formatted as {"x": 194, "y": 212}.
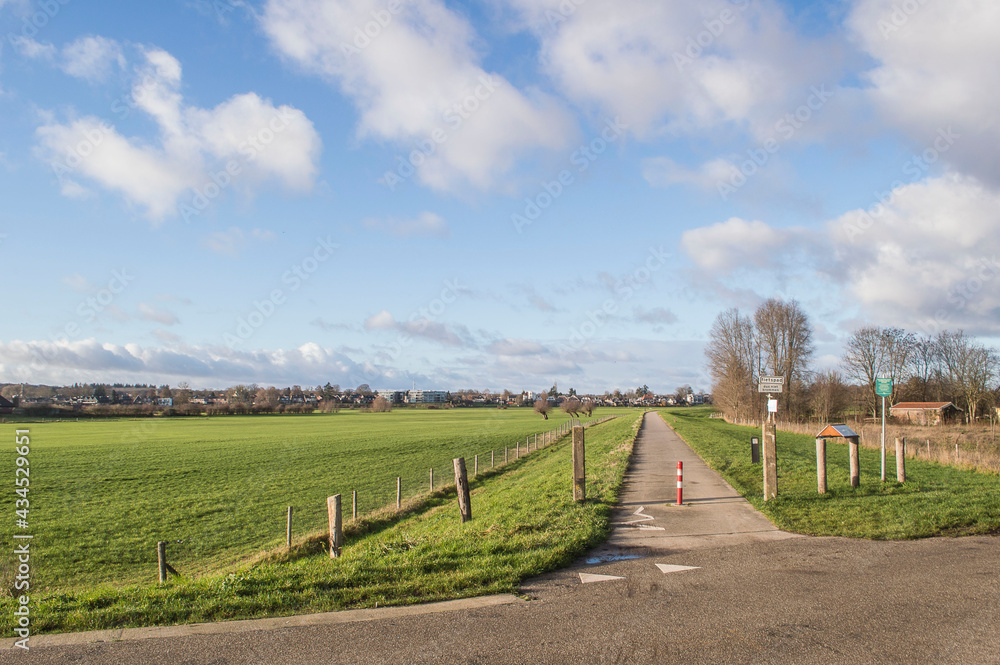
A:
{"x": 925, "y": 362}
{"x": 971, "y": 369}
{"x": 542, "y": 407}
{"x": 828, "y": 396}
{"x": 571, "y": 406}
{"x": 381, "y": 405}
{"x": 587, "y": 407}
{"x": 732, "y": 364}
{"x": 784, "y": 343}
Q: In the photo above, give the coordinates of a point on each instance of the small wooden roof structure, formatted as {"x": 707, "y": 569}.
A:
{"x": 831, "y": 431}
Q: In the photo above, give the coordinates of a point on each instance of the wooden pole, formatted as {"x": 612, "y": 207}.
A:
{"x": 354, "y": 504}
{"x": 536, "y": 441}
{"x": 161, "y": 558}
{"x": 462, "y": 485}
{"x": 854, "y": 445}
{"x": 901, "y": 460}
{"x": 770, "y": 460}
{"x": 579, "y": 466}
{"x": 821, "y": 465}
{"x": 288, "y": 529}
{"x": 505, "y": 454}
{"x": 336, "y": 525}
{"x": 475, "y": 471}
{"x": 492, "y": 460}
{"x": 432, "y": 479}
{"x": 399, "y": 492}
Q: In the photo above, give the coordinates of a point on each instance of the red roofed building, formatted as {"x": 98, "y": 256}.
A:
{"x": 926, "y": 413}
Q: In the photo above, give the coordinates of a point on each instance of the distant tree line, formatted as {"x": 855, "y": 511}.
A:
{"x": 777, "y": 339}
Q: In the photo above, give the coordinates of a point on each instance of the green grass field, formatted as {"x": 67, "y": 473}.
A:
{"x": 104, "y": 493}
{"x": 935, "y": 500}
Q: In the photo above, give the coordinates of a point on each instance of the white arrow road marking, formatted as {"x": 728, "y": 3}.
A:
{"x": 587, "y": 578}
{"x": 643, "y": 517}
{"x": 667, "y": 568}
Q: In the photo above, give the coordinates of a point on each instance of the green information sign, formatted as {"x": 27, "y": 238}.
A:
{"x": 883, "y": 387}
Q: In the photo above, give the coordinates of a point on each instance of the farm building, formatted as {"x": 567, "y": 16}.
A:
{"x": 926, "y": 413}
{"x": 6, "y": 406}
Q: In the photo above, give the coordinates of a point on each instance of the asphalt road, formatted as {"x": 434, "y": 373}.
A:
{"x": 733, "y": 590}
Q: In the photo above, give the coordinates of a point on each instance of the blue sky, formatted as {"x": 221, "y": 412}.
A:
{"x": 499, "y": 194}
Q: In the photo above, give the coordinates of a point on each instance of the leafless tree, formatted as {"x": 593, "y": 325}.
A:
{"x": 925, "y": 363}
{"x": 571, "y": 406}
{"x": 784, "y": 343}
{"x": 828, "y": 396}
{"x": 381, "y": 405}
{"x": 587, "y": 407}
{"x": 970, "y": 369}
{"x": 874, "y": 352}
{"x": 732, "y": 364}
{"x": 542, "y": 407}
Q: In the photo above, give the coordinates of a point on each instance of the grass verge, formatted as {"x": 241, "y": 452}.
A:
{"x": 935, "y": 500}
{"x": 524, "y": 523}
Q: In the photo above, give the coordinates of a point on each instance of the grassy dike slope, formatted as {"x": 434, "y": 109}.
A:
{"x": 935, "y": 500}
{"x": 524, "y": 523}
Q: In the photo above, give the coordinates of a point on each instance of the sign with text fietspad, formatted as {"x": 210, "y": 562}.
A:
{"x": 770, "y": 384}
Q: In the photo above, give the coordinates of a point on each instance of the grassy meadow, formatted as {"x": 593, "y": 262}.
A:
{"x": 935, "y": 500}
{"x": 103, "y": 493}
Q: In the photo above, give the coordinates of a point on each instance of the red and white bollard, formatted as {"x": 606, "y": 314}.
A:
{"x": 680, "y": 483}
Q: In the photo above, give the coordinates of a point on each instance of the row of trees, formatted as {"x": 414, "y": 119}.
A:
{"x": 777, "y": 339}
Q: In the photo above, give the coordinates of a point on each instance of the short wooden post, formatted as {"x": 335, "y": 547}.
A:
{"x": 536, "y": 441}
{"x": 579, "y": 466}
{"x": 354, "y": 504}
{"x": 505, "y": 457}
{"x": 770, "y": 461}
{"x": 432, "y": 479}
{"x": 161, "y": 558}
{"x": 336, "y": 525}
{"x": 462, "y": 485}
{"x": 475, "y": 470}
{"x": 854, "y": 447}
{"x": 288, "y": 529}
{"x": 821, "y": 465}
{"x": 517, "y": 450}
{"x": 492, "y": 460}
{"x": 901, "y": 460}
{"x": 399, "y": 492}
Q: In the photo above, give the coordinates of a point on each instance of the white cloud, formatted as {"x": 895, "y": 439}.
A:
{"x": 419, "y": 77}
{"x": 929, "y": 259}
{"x": 263, "y": 141}
{"x": 656, "y": 315}
{"x": 672, "y": 66}
{"x": 91, "y": 58}
{"x": 425, "y": 224}
{"x": 936, "y": 68}
{"x": 381, "y": 321}
{"x": 88, "y": 360}
{"x": 733, "y": 243}
{"x": 29, "y": 48}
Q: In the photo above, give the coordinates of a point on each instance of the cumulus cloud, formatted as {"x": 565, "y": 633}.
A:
{"x": 265, "y": 143}
{"x": 935, "y": 69}
{"x": 656, "y": 315}
{"x": 92, "y": 58}
{"x": 425, "y": 224}
{"x": 666, "y": 66}
{"x": 29, "y": 48}
{"x": 416, "y": 79}
{"x": 664, "y": 172}
{"x": 735, "y": 242}
{"x": 515, "y": 347}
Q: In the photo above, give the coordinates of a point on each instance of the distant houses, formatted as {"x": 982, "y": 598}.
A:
{"x": 926, "y": 413}
{"x": 6, "y": 406}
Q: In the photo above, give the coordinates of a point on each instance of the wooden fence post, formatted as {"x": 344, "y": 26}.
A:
{"x": 475, "y": 470}
{"x": 821, "y": 465}
{"x": 579, "y": 466}
{"x": 462, "y": 485}
{"x": 770, "y": 441}
{"x": 432, "y": 479}
{"x": 492, "y": 460}
{"x": 288, "y": 529}
{"x": 354, "y": 504}
{"x": 399, "y": 492}
{"x": 854, "y": 445}
{"x": 901, "y": 460}
{"x": 161, "y": 559}
{"x": 336, "y": 525}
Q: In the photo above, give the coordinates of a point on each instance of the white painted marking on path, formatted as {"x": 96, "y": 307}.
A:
{"x": 643, "y": 517}
{"x": 587, "y": 578}
{"x": 668, "y": 568}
